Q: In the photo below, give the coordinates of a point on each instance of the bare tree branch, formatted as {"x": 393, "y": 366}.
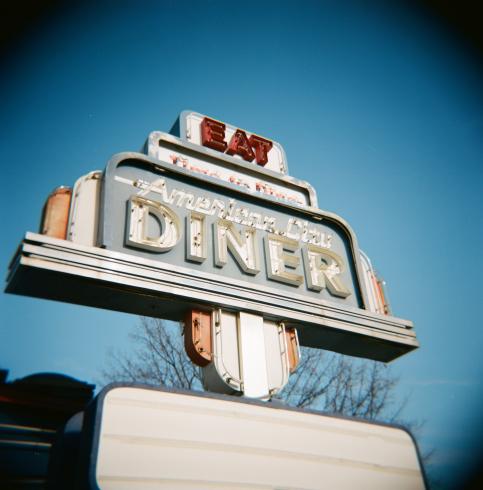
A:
{"x": 326, "y": 381}
{"x": 157, "y": 358}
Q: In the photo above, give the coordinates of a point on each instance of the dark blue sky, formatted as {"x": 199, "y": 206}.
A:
{"x": 377, "y": 105}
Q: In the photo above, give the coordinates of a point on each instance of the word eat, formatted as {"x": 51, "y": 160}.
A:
{"x": 252, "y": 148}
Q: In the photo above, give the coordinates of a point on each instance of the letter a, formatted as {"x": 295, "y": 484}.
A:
{"x": 239, "y": 145}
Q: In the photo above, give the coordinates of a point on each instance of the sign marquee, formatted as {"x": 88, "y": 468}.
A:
{"x": 170, "y": 219}
{"x": 209, "y": 218}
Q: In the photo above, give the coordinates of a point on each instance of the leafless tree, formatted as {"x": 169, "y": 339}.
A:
{"x": 343, "y": 385}
{"x": 326, "y": 381}
{"x": 157, "y": 358}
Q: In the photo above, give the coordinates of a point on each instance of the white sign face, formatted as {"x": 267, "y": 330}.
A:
{"x": 163, "y": 147}
{"x": 142, "y": 436}
{"x": 190, "y": 129}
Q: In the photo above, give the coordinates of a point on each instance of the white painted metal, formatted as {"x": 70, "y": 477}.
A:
{"x": 84, "y": 209}
{"x": 276, "y": 356}
{"x": 196, "y": 237}
{"x": 249, "y": 356}
{"x": 247, "y": 176}
{"x": 153, "y": 439}
{"x": 223, "y": 375}
{"x": 214, "y": 169}
{"x": 366, "y": 277}
{"x": 252, "y": 355}
{"x": 276, "y": 158}
{"x": 140, "y": 232}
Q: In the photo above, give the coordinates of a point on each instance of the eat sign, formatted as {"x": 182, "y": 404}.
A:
{"x": 254, "y": 147}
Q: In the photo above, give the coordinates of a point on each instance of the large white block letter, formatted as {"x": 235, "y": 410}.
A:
{"x": 242, "y": 245}
{"x": 140, "y": 213}
{"x": 278, "y": 261}
{"x": 323, "y": 269}
{"x": 196, "y": 237}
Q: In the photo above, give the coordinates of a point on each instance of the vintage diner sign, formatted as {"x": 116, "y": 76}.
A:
{"x": 230, "y": 140}
{"x": 197, "y": 223}
{"x": 161, "y": 213}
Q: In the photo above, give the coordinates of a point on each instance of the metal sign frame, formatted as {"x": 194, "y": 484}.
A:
{"x": 158, "y": 139}
{"x": 57, "y": 269}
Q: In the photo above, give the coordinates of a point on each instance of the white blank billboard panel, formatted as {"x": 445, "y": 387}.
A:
{"x": 154, "y": 439}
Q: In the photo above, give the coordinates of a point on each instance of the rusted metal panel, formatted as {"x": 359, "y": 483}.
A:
{"x": 293, "y": 348}
{"x": 55, "y": 214}
{"x": 197, "y": 337}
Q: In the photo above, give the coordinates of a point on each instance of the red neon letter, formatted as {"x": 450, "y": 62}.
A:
{"x": 262, "y": 147}
{"x": 239, "y": 144}
{"x": 213, "y": 134}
